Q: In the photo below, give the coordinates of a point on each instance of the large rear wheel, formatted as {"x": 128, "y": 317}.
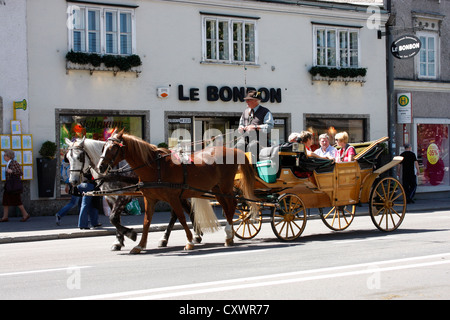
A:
{"x": 387, "y": 204}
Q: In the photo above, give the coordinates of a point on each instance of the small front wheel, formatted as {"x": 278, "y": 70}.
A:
{"x": 245, "y": 227}
{"x": 387, "y": 204}
{"x": 338, "y": 218}
{"x": 289, "y": 219}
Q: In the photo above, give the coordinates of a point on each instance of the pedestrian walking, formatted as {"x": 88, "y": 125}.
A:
{"x": 75, "y": 197}
{"x": 408, "y": 169}
{"x": 12, "y": 196}
{"x": 88, "y": 211}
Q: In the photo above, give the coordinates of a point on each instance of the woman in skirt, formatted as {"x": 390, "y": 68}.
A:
{"x": 14, "y": 198}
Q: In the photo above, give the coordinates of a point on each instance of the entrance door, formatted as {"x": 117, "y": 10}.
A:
{"x": 215, "y": 131}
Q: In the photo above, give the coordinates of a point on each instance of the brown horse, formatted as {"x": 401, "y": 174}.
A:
{"x": 212, "y": 170}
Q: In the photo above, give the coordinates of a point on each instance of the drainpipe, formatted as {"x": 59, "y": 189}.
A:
{"x": 390, "y": 87}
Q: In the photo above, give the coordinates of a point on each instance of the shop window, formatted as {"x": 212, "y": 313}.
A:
{"x": 354, "y": 127}
{"x": 193, "y": 133}
{"x": 180, "y": 133}
{"x": 433, "y": 154}
{"x": 92, "y": 127}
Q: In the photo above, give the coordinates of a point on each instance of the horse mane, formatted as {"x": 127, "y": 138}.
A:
{"x": 146, "y": 151}
{"x": 94, "y": 149}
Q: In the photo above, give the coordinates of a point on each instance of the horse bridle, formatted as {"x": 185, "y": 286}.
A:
{"x": 115, "y": 142}
{"x": 82, "y": 158}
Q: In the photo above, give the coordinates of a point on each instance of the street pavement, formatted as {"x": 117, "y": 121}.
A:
{"x": 45, "y": 228}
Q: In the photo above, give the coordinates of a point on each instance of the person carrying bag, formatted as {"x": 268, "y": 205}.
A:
{"x": 12, "y": 195}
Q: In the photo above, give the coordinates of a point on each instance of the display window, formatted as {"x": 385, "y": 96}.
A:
{"x": 193, "y": 133}
{"x": 433, "y": 154}
{"x": 356, "y": 129}
{"x": 97, "y": 127}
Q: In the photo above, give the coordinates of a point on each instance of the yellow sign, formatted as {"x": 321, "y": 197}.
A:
{"x": 403, "y": 100}
{"x": 433, "y": 153}
{"x": 20, "y": 104}
{"x": 404, "y": 108}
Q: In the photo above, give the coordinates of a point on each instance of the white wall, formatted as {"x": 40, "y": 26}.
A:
{"x": 13, "y": 61}
{"x": 169, "y": 44}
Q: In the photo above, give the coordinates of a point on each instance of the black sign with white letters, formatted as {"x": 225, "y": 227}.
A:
{"x": 406, "y": 47}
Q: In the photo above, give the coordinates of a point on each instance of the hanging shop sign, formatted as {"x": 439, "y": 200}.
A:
{"x": 404, "y": 108}
{"x": 406, "y": 47}
{"x": 227, "y": 94}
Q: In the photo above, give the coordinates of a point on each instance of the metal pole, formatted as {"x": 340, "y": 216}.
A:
{"x": 390, "y": 88}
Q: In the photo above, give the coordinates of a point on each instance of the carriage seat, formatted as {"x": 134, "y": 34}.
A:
{"x": 315, "y": 164}
{"x": 369, "y": 160}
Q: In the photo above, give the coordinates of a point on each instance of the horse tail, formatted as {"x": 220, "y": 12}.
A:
{"x": 204, "y": 217}
{"x": 247, "y": 185}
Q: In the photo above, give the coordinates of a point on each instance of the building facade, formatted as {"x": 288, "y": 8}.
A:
{"x": 423, "y": 82}
{"x": 177, "y": 71}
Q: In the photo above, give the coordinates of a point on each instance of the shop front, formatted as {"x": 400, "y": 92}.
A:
{"x": 194, "y": 130}
{"x": 96, "y": 125}
{"x": 432, "y": 149}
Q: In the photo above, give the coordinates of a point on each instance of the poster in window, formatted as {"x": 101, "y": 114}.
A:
{"x": 4, "y": 163}
{"x": 16, "y": 142}
{"x": 27, "y": 142}
{"x": 16, "y": 127}
{"x": 27, "y": 172}
{"x": 5, "y": 140}
{"x": 27, "y": 157}
{"x": 18, "y": 156}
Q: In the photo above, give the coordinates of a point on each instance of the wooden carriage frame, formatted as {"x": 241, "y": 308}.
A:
{"x": 335, "y": 192}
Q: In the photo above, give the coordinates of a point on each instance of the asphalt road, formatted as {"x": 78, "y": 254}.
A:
{"x": 358, "y": 263}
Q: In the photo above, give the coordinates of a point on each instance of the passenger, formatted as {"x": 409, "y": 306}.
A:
{"x": 304, "y": 137}
{"x": 326, "y": 150}
{"x": 347, "y": 152}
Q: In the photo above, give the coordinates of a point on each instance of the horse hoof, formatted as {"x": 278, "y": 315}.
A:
{"x": 189, "y": 246}
{"x": 132, "y": 235}
{"x": 116, "y": 247}
{"x": 136, "y": 250}
{"x": 229, "y": 242}
{"x": 162, "y": 243}
{"x": 198, "y": 239}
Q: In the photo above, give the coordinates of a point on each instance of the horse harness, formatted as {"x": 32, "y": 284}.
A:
{"x": 162, "y": 184}
{"x": 159, "y": 183}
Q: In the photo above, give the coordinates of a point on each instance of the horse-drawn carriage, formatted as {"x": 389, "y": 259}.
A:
{"x": 285, "y": 183}
{"x": 297, "y": 184}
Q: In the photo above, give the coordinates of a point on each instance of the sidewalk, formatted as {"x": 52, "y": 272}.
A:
{"x": 45, "y": 228}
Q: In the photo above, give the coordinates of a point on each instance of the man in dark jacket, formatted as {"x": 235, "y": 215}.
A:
{"x": 408, "y": 169}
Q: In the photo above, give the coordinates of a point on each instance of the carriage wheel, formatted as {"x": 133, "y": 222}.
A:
{"x": 244, "y": 226}
{"x": 289, "y": 219}
{"x": 338, "y": 218}
{"x": 387, "y": 205}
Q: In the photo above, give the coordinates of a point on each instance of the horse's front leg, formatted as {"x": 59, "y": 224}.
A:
{"x": 115, "y": 219}
{"x": 165, "y": 238}
{"x": 149, "y": 210}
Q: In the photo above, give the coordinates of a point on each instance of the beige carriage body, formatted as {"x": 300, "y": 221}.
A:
{"x": 334, "y": 188}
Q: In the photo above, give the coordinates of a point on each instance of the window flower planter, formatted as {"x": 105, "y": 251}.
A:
{"x": 345, "y": 75}
{"x": 94, "y": 62}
